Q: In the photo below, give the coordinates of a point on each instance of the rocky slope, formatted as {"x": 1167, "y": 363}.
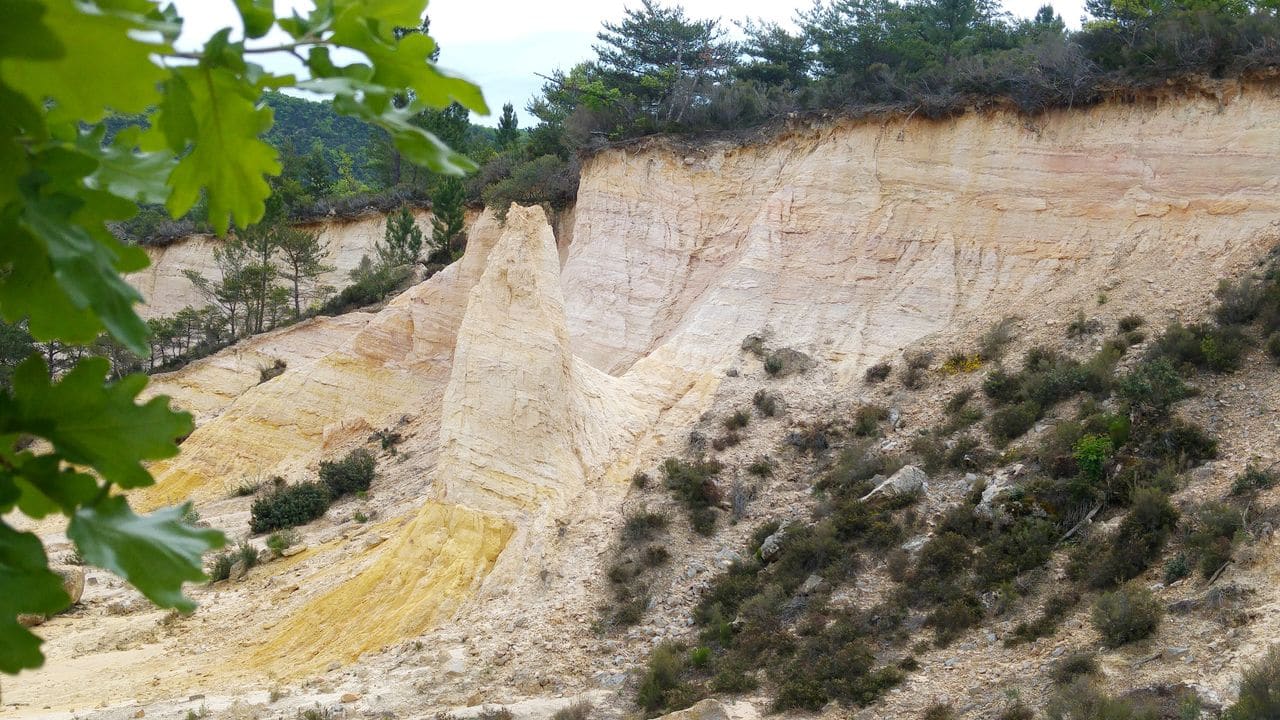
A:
{"x": 531, "y": 379}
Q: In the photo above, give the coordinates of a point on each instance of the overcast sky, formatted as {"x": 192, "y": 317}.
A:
{"x": 503, "y": 44}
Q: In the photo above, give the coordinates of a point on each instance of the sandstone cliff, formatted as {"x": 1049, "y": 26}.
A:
{"x": 166, "y": 289}
{"x": 533, "y": 377}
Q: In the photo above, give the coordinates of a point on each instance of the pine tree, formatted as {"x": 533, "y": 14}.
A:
{"x": 401, "y": 242}
{"x": 302, "y": 262}
{"x": 447, "y": 219}
{"x": 508, "y": 128}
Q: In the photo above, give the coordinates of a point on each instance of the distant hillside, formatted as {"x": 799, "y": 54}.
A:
{"x": 305, "y": 122}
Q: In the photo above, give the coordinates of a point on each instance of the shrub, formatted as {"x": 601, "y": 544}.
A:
{"x": 1213, "y": 534}
{"x": 1152, "y": 388}
{"x": 939, "y": 711}
{"x": 1091, "y": 454}
{"x": 275, "y": 370}
{"x": 1180, "y": 443}
{"x": 351, "y": 474}
{"x": 289, "y": 506}
{"x": 642, "y": 527}
{"x": 1273, "y": 346}
{"x": 640, "y": 479}
{"x": 766, "y": 402}
{"x": 968, "y": 454}
{"x": 1054, "y": 611}
{"x": 1017, "y": 711}
{"x": 918, "y": 360}
{"x": 1001, "y": 386}
{"x": 246, "y": 555}
{"x": 1129, "y": 323}
{"x": 1082, "y": 700}
{"x": 728, "y": 440}
{"x": 495, "y": 713}
{"x": 958, "y": 400}
{"x": 958, "y": 363}
{"x": 1252, "y": 480}
{"x": 221, "y": 568}
{"x": 578, "y": 710}
{"x": 1080, "y": 326}
{"x": 1138, "y": 540}
{"x": 1202, "y": 347}
{"x": 661, "y": 682}
{"x": 1072, "y": 666}
{"x": 878, "y": 372}
{"x": 282, "y": 540}
{"x": 1176, "y": 568}
{"x": 246, "y": 489}
{"x": 914, "y": 378}
{"x": 1013, "y": 422}
{"x": 1259, "y": 697}
{"x": 1238, "y": 302}
{"x": 693, "y": 484}
{"x": 761, "y": 467}
{"x": 867, "y": 419}
{"x": 1126, "y": 615}
{"x": 738, "y": 420}
{"x": 774, "y": 364}
{"x": 993, "y": 342}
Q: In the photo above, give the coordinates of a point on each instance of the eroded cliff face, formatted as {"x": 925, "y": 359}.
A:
{"x": 166, "y": 289}
{"x": 533, "y": 377}
{"x": 854, "y": 239}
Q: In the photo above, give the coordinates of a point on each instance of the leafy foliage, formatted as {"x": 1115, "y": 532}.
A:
{"x": 194, "y": 140}
{"x": 351, "y": 474}
{"x": 289, "y": 506}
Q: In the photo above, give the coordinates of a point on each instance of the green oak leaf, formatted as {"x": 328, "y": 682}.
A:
{"x": 125, "y": 172}
{"x": 87, "y": 269}
{"x": 106, "y": 64}
{"x": 24, "y": 34}
{"x": 155, "y": 553}
{"x": 385, "y": 15}
{"x": 27, "y": 586}
{"x": 224, "y": 120}
{"x": 46, "y": 485}
{"x": 407, "y": 65}
{"x": 258, "y": 17}
{"x": 94, "y": 424}
{"x": 30, "y": 290}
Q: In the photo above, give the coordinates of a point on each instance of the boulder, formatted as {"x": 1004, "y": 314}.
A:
{"x": 704, "y": 710}
{"x": 907, "y": 480}
{"x": 771, "y": 545}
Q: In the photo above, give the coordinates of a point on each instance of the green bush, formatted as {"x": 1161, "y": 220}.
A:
{"x": 1138, "y": 541}
{"x": 1252, "y": 480}
{"x": 1152, "y": 388}
{"x": 289, "y": 506}
{"x": 1202, "y": 347}
{"x": 1072, "y": 666}
{"x": 1091, "y": 454}
{"x": 221, "y": 567}
{"x": 693, "y": 484}
{"x": 1180, "y": 443}
{"x": 578, "y": 710}
{"x": 1001, "y": 386}
{"x": 1273, "y": 346}
{"x": 1238, "y": 302}
{"x": 1176, "y": 568}
{"x": 1051, "y": 615}
{"x": 351, "y": 474}
{"x": 1259, "y": 697}
{"x": 994, "y": 340}
{"x": 661, "y": 685}
{"x": 1126, "y": 615}
{"x": 642, "y": 527}
{"x": 1010, "y": 423}
{"x": 282, "y": 540}
{"x": 1213, "y": 534}
{"x": 1082, "y": 700}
